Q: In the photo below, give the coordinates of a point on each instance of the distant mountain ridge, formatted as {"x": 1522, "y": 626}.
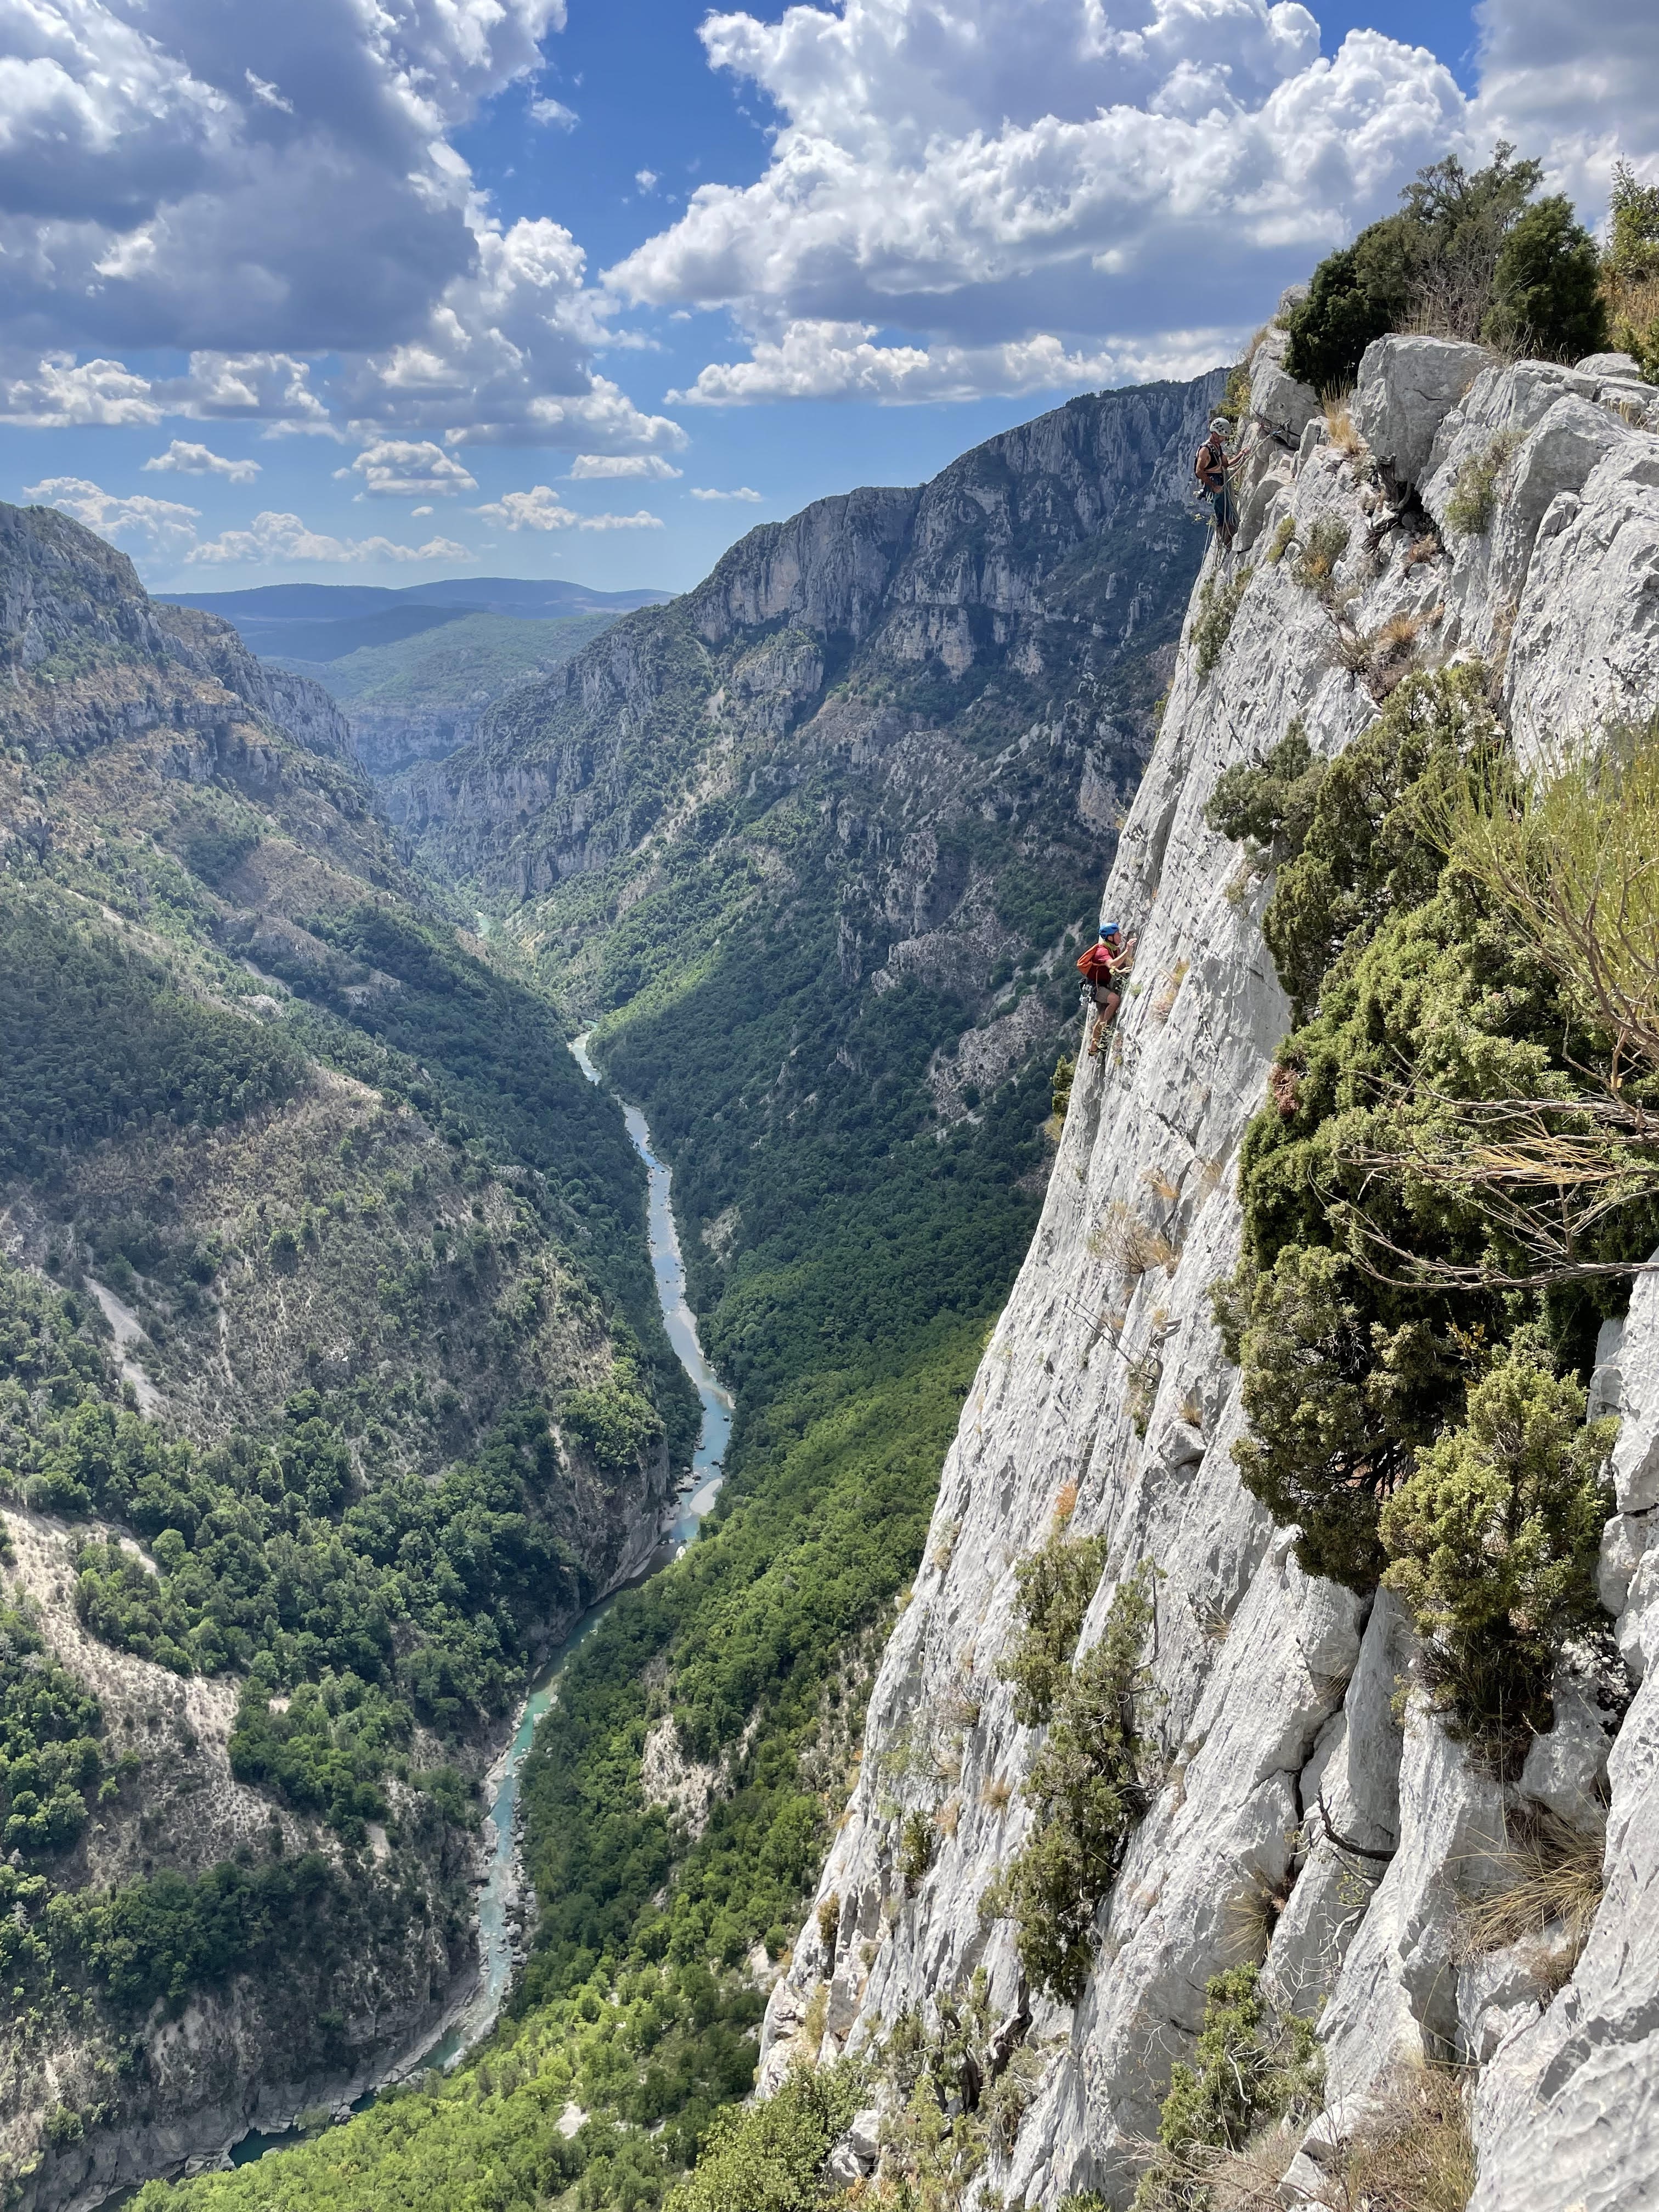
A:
{"x": 324, "y": 622}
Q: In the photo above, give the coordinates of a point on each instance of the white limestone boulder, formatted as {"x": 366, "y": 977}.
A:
{"x": 1407, "y": 388}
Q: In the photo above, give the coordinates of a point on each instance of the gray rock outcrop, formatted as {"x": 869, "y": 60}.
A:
{"x": 1313, "y": 1813}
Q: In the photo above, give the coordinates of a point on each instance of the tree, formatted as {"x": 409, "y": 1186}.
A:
{"x": 1494, "y": 1538}
{"x": 1546, "y": 296}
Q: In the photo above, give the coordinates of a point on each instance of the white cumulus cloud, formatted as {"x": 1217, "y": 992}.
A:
{"x": 554, "y": 111}
{"x": 160, "y": 525}
{"x": 541, "y": 509}
{"x": 585, "y": 466}
{"x": 192, "y": 461}
{"x": 743, "y": 492}
{"x": 272, "y": 536}
{"x": 405, "y": 468}
{"x": 57, "y": 395}
{"x": 998, "y": 197}
{"x": 279, "y": 194}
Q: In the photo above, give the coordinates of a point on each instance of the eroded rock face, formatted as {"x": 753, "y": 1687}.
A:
{"x": 1306, "y": 1814}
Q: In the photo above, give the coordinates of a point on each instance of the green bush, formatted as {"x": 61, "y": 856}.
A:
{"x": 1493, "y": 1539}
{"x": 1056, "y": 1583}
{"x": 1252, "y": 2064}
{"x": 1546, "y": 286}
{"x": 1348, "y": 837}
{"x": 1218, "y": 598}
{"x": 50, "y": 1755}
{"x": 1473, "y": 501}
{"x": 1315, "y": 567}
{"x": 1087, "y": 1791}
{"x": 613, "y": 1420}
{"x": 768, "y": 2157}
{"x": 1407, "y": 1363}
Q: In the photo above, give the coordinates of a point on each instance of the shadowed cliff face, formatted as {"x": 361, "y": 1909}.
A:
{"x": 1027, "y": 585}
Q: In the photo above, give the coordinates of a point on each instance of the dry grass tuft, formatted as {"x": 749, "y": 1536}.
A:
{"x": 1341, "y": 431}
{"x": 1413, "y": 2154}
{"x": 1065, "y": 1503}
{"x": 1133, "y": 1245}
{"x": 1426, "y": 548}
{"x": 947, "y": 1816}
{"x": 1163, "y": 1005}
{"x": 996, "y": 1794}
{"x": 1556, "y": 1878}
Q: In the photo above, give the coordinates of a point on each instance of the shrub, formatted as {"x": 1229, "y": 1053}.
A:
{"x": 1060, "y": 1095}
{"x": 1630, "y": 270}
{"x": 1350, "y": 836}
{"x": 1253, "y": 2063}
{"x": 768, "y": 2157}
{"x": 1086, "y": 1789}
{"x": 1433, "y": 264}
{"x": 1546, "y": 286}
{"x": 1493, "y": 1539}
{"x": 1056, "y": 1586}
{"x": 915, "y": 1852}
{"x": 1473, "y": 501}
{"x": 1283, "y": 531}
{"x": 1322, "y": 547}
{"x": 1219, "y": 598}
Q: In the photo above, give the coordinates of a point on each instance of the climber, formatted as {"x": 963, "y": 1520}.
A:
{"x": 1211, "y": 466}
{"x": 1104, "y": 967}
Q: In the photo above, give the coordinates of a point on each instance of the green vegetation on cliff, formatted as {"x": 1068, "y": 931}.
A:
{"x": 1415, "y": 1310}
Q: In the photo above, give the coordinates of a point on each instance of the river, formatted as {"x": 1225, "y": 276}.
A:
{"x": 697, "y": 1496}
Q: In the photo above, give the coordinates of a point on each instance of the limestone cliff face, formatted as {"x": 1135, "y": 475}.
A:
{"x": 1272, "y": 1689}
{"x": 1016, "y": 591}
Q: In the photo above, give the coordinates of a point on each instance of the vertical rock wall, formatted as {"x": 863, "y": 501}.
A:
{"x": 1272, "y": 1691}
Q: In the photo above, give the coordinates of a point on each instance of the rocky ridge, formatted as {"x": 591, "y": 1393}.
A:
{"x": 1274, "y": 1694}
{"x": 1007, "y": 594}
{"x": 168, "y": 800}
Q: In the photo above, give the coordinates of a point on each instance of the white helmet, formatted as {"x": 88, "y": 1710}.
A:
{"x": 1220, "y": 426}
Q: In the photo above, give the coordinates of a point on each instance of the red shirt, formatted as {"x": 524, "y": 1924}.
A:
{"x": 1099, "y": 962}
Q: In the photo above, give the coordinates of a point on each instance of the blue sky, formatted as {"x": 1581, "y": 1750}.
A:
{"x": 482, "y": 286}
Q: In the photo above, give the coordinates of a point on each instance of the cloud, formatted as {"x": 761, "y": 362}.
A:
{"x": 585, "y": 466}
{"x": 284, "y": 537}
{"x": 844, "y": 361}
{"x": 279, "y": 194}
{"x": 267, "y": 93}
{"x": 555, "y": 111}
{"x": 503, "y": 358}
{"x": 959, "y": 199}
{"x": 538, "y": 508}
{"x": 646, "y": 179}
{"x": 163, "y": 526}
{"x": 1578, "y": 84}
{"x": 742, "y": 492}
{"x": 541, "y": 509}
{"x": 400, "y": 468}
{"x": 639, "y": 521}
{"x": 273, "y": 388}
{"x": 198, "y": 461}
{"x": 57, "y": 395}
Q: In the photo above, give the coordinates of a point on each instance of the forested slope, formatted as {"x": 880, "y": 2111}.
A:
{"x": 331, "y": 1385}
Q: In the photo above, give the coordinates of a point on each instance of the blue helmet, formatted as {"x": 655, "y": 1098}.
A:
{"x": 1110, "y": 929}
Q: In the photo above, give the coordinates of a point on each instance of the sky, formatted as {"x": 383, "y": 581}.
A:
{"x": 382, "y": 291}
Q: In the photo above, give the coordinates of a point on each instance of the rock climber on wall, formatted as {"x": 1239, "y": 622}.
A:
{"x": 1105, "y": 967}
